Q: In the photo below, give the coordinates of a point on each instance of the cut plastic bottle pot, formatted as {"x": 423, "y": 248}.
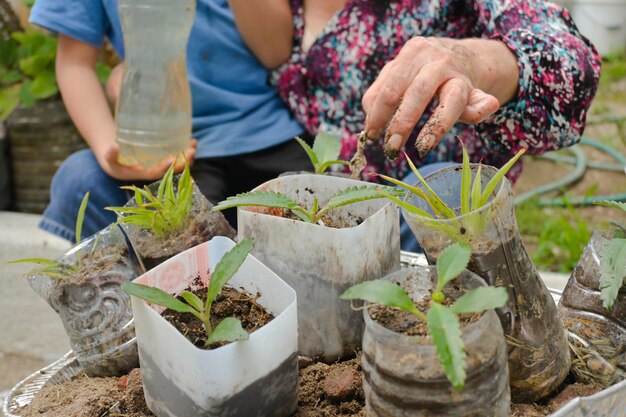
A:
{"x": 320, "y": 262}
{"x": 402, "y": 375}
{"x": 94, "y": 310}
{"x": 539, "y": 357}
{"x": 255, "y": 377}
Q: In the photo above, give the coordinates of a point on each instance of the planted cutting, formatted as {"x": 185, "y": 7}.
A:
{"x": 324, "y": 153}
{"x": 306, "y": 227}
{"x": 167, "y": 217}
{"x": 314, "y": 214}
{"x": 229, "y": 329}
{"x": 473, "y": 204}
{"x": 84, "y": 288}
{"x": 186, "y": 375}
{"x": 593, "y": 308}
{"x": 423, "y": 312}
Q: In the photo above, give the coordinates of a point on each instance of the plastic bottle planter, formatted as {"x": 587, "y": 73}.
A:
{"x": 597, "y": 336}
{"x": 95, "y": 312}
{"x": 256, "y": 377}
{"x": 539, "y": 358}
{"x": 402, "y": 376}
{"x": 202, "y": 226}
{"x": 320, "y": 263}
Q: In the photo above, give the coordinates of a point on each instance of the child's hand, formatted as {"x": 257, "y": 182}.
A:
{"x": 110, "y": 165}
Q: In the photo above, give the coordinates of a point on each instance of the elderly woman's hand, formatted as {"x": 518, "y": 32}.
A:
{"x": 471, "y": 79}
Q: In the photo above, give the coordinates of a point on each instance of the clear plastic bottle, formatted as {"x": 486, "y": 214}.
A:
{"x": 153, "y": 114}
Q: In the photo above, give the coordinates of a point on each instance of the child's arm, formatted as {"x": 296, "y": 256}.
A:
{"x": 266, "y": 27}
{"x": 86, "y": 103}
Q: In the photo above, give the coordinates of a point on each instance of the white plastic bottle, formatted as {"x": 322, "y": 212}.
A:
{"x": 153, "y": 114}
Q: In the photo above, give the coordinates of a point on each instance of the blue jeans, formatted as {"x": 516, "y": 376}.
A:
{"x": 81, "y": 173}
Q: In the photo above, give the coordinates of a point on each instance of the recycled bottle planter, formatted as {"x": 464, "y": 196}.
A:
{"x": 94, "y": 310}
{"x": 320, "y": 263}
{"x": 538, "y": 353}
{"x": 201, "y": 227}
{"x": 597, "y": 336}
{"x": 402, "y": 375}
{"x": 255, "y": 377}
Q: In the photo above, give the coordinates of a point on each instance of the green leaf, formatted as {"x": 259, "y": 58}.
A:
{"x": 10, "y": 77}
{"x": 323, "y": 167}
{"x": 614, "y": 204}
{"x": 452, "y": 261}
{"x": 262, "y": 199}
{"x": 310, "y": 153}
{"x": 445, "y": 330}
{"x": 326, "y": 147}
{"x": 26, "y": 96}
{"x": 435, "y": 202}
{"x": 103, "y": 72}
{"x": 81, "y": 216}
{"x": 493, "y": 182}
{"x": 356, "y": 194}
{"x": 417, "y": 191}
{"x": 193, "y": 300}
{"x": 44, "y": 85}
{"x": 229, "y": 330}
{"x": 9, "y": 100}
{"x": 480, "y": 299}
{"x": 226, "y": 268}
{"x": 466, "y": 179}
{"x": 158, "y": 297}
{"x": 476, "y": 188}
{"x": 382, "y": 292}
{"x": 612, "y": 271}
{"x": 407, "y": 206}
{"x": 37, "y": 261}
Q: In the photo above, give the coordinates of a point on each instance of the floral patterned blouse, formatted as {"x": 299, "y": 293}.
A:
{"x": 559, "y": 74}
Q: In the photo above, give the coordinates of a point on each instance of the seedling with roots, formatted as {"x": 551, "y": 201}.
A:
{"x": 55, "y": 269}
{"x": 229, "y": 329}
{"x": 315, "y": 214}
{"x": 442, "y": 322}
{"x": 165, "y": 212}
{"x": 473, "y": 197}
{"x": 613, "y": 261}
{"x": 325, "y": 152}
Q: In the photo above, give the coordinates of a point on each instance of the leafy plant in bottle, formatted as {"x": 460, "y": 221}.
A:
{"x": 315, "y": 214}
{"x": 613, "y": 261}
{"x": 442, "y": 321}
{"x": 325, "y": 152}
{"x": 229, "y": 329}
{"x": 56, "y": 269}
{"x": 165, "y": 212}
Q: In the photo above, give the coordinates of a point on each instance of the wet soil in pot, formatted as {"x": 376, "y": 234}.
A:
{"x": 229, "y": 303}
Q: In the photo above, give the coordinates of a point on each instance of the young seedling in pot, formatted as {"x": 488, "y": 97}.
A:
{"x": 325, "y": 152}
{"x": 229, "y": 329}
{"x": 473, "y": 196}
{"x": 165, "y": 212}
{"x": 613, "y": 261}
{"x": 442, "y": 322}
{"x": 55, "y": 269}
{"x": 315, "y": 214}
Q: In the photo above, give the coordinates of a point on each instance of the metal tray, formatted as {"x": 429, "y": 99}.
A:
{"x": 610, "y": 402}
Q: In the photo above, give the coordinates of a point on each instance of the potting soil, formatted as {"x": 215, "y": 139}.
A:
{"x": 229, "y": 303}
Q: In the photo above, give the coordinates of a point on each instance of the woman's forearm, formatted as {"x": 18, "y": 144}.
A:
{"x": 266, "y": 27}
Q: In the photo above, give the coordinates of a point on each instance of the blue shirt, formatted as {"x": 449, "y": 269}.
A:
{"x": 235, "y": 110}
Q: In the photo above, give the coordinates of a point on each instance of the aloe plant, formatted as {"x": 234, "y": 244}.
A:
{"x": 442, "y": 322}
{"x": 613, "y": 261}
{"x": 473, "y": 196}
{"x": 229, "y": 329}
{"x": 315, "y": 213}
{"x": 56, "y": 269}
{"x": 325, "y": 152}
{"x": 165, "y": 212}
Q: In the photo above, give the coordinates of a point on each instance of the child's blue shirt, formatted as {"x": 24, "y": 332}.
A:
{"x": 235, "y": 110}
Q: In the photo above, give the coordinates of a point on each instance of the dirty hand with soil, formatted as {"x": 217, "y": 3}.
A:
{"x": 470, "y": 78}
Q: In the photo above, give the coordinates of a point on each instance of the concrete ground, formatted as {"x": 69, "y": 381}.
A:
{"x": 31, "y": 334}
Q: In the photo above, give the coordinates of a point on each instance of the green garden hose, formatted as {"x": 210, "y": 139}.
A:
{"x": 581, "y": 164}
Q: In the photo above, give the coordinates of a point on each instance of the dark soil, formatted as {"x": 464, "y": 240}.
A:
{"x": 94, "y": 264}
{"x": 344, "y": 222}
{"x": 90, "y": 397}
{"x": 568, "y": 392}
{"x": 230, "y": 303}
{"x": 408, "y": 324}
